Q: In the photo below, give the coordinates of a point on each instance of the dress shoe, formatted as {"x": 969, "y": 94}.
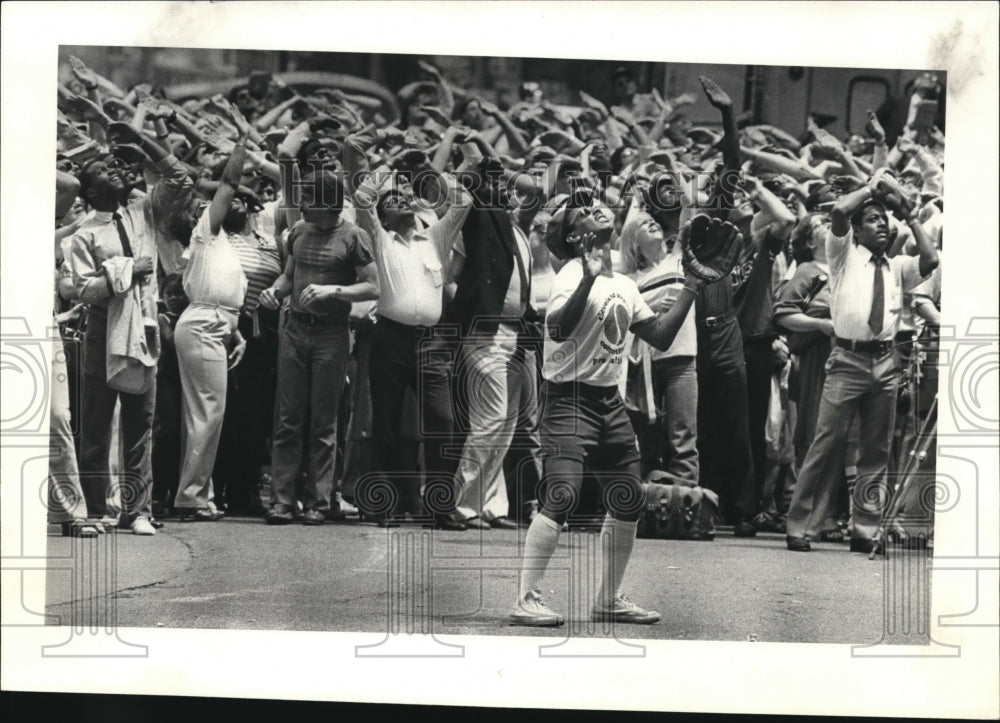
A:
{"x": 195, "y": 515}
{"x": 443, "y": 522}
{"x": 477, "y": 523}
{"x": 313, "y": 517}
{"x": 502, "y": 523}
{"x": 798, "y": 544}
{"x": 861, "y": 544}
{"x": 744, "y": 528}
{"x": 278, "y": 515}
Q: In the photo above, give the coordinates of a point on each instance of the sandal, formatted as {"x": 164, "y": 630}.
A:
{"x": 81, "y": 528}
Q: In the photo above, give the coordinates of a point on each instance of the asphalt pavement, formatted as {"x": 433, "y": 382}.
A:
{"x": 353, "y": 576}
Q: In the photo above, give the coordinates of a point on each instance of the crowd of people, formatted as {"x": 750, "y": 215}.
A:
{"x": 277, "y": 303}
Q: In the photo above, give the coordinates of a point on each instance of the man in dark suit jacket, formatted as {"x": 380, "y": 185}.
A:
{"x": 491, "y": 267}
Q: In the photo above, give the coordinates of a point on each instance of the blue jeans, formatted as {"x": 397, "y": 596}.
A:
{"x": 312, "y": 364}
{"x": 671, "y": 442}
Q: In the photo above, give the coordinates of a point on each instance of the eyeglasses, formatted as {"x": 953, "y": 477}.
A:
{"x": 116, "y": 164}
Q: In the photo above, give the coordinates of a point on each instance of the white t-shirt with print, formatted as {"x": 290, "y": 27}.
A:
{"x": 595, "y": 353}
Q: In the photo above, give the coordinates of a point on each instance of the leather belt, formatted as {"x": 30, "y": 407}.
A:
{"x": 713, "y": 321}
{"x": 307, "y": 319}
{"x": 879, "y": 348}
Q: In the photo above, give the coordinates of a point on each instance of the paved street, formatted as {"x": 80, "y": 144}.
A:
{"x": 240, "y": 573}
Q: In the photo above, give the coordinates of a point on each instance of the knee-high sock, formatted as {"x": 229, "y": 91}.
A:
{"x": 539, "y": 544}
{"x": 617, "y": 538}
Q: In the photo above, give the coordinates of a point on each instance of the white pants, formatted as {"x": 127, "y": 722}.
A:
{"x": 66, "y": 500}
{"x": 489, "y": 386}
{"x": 202, "y": 358}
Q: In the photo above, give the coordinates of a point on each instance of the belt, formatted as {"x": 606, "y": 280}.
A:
{"x": 392, "y": 323}
{"x": 879, "y": 348}
{"x": 590, "y": 391}
{"x": 307, "y": 319}
{"x": 711, "y": 322}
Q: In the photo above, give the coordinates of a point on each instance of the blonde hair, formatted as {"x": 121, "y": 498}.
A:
{"x": 628, "y": 240}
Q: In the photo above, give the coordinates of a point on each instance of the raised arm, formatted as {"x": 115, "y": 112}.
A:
{"x": 840, "y": 214}
{"x": 447, "y": 98}
{"x": 725, "y": 183}
{"x": 515, "y": 139}
{"x": 780, "y": 164}
{"x": 88, "y": 79}
{"x": 782, "y": 221}
{"x": 230, "y": 181}
{"x": 272, "y": 116}
{"x": 93, "y": 113}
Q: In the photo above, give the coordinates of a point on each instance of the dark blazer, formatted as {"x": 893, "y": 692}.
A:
{"x": 490, "y": 246}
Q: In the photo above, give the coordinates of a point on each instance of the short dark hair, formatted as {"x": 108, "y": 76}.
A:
{"x": 328, "y": 190}
{"x": 172, "y": 280}
{"x": 86, "y": 177}
{"x": 860, "y": 210}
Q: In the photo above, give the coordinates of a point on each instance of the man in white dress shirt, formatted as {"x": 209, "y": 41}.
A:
{"x": 863, "y": 370}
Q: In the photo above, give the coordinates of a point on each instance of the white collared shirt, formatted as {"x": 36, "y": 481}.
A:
{"x": 852, "y": 275}
{"x": 412, "y": 272}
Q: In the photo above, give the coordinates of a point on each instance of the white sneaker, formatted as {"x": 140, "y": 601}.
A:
{"x": 623, "y": 610}
{"x": 142, "y": 526}
{"x": 531, "y": 610}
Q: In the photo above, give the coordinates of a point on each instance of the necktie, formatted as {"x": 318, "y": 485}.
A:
{"x": 525, "y": 287}
{"x": 878, "y": 298}
{"x": 122, "y": 234}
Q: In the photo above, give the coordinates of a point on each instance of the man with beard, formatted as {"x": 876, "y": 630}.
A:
{"x": 111, "y": 252}
{"x": 863, "y": 370}
{"x": 207, "y": 330}
{"x": 584, "y": 421}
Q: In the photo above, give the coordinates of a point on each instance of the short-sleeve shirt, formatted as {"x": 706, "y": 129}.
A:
{"x": 333, "y": 257}
{"x": 411, "y": 271}
{"x": 213, "y": 274}
{"x": 666, "y": 281}
{"x": 852, "y": 275}
{"x": 595, "y": 352}
{"x": 260, "y": 261}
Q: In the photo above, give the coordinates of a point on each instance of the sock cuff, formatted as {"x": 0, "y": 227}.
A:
{"x": 541, "y": 518}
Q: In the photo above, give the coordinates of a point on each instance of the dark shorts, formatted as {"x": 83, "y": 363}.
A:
{"x": 587, "y": 424}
